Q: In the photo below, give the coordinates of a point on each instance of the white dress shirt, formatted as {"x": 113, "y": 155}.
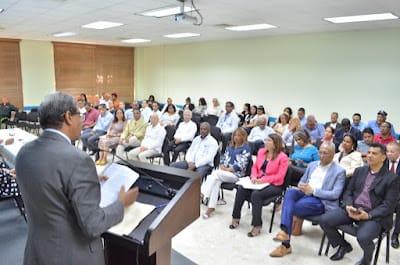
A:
{"x": 154, "y": 137}
{"x": 258, "y": 134}
{"x": 228, "y": 122}
{"x": 202, "y": 151}
{"x": 186, "y": 131}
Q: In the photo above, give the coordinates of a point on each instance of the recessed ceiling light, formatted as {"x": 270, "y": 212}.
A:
{"x": 102, "y": 25}
{"x": 181, "y": 35}
{"x": 64, "y": 34}
{"x": 251, "y": 27}
{"x": 135, "y": 40}
{"x": 165, "y": 11}
{"x": 361, "y": 18}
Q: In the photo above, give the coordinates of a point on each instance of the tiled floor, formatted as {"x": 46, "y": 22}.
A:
{"x": 210, "y": 241}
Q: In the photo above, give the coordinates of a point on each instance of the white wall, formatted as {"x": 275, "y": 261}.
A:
{"x": 346, "y": 72}
{"x": 37, "y": 68}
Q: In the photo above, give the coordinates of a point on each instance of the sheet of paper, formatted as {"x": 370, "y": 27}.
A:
{"x": 133, "y": 214}
{"x": 118, "y": 175}
{"x": 246, "y": 183}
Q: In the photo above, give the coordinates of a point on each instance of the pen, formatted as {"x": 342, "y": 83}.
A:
{"x": 161, "y": 205}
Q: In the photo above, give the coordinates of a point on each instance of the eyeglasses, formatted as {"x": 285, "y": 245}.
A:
{"x": 323, "y": 153}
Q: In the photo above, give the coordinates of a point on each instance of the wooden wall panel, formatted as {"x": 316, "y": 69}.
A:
{"x": 10, "y": 72}
{"x": 94, "y": 69}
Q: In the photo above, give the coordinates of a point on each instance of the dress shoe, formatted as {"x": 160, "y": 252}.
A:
{"x": 341, "y": 252}
{"x": 281, "y": 236}
{"x": 281, "y": 251}
{"x": 362, "y": 261}
{"x": 395, "y": 242}
{"x": 235, "y": 223}
{"x": 254, "y": 232}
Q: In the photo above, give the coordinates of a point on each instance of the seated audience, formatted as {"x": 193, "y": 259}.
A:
{"x": 200, "y": 155}
{"x": 348, "y": 157}
{"x": 182, "y": 138}
{"x": 6, "y": 108}
{"x": 301, "y": 114}
{"x": 294, "y": 126}
{"x": 384, "y": 137}
{"x": 91, "y": 116}
{"x": 8, "y": 184}
{"x": 152, "y": 141}
{"x": 282, "y": 124}
{"x": 215, "y": 108}
{"x": 228, "y": 122}
{"x": 248, "y": 120}
{"x": 201, "y": 108}
{"x": 346, "y": 129}
{"x": 115, "y": 101}
{"x": 188, "y": 104}
{"x": 289, "y": 111}
{"x": 165, "y": 107}
{"x": 245, "y": 114}
{"x": 133, "y": 133}
{"x": 259, "y": 115}
{"x": 111, "y": 139}
{"x": 334, "y": 121}
{"x": 170, "y": 117}
{"x": 375, "y": 125}
{"x": 90, "y": 137}
{"x": 369, "y": 201}
{"x": 155, "y": 107}
{"x": 363, "y": 145}
{"x": 314, "y": 129}
{"x": 357, "y": 123}
{"x": 129, "y": 112}
{"x": 393, "y": 164}
{"x": 270, "y": 167}
{"x": 318, "y": 192}
{"x": 232, "y": 167}
{"x": 145, "y": 111}
{"x": 258, "y": 134}
{"x": 328, "y": 136}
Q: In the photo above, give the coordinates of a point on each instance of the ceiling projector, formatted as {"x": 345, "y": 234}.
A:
{"x": 185, "y": 19}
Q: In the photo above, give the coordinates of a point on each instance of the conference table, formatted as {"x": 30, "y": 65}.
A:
{"x": 9, "y": 151}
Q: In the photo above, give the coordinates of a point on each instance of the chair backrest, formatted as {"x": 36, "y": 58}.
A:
{"x": 21, "y": 116}
{"x": 216, "y": 133}
{"x": 196, "y": 117}
{"x": 249, "y": 166}
{"x": 170, "y": 132}
{"x": 211, "y": 119}
{"x": 33, "y": 116}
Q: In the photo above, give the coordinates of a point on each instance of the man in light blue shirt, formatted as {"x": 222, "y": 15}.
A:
{"x": 375, "y": 125}
{"x": 90, "y": 139}
{"x": 315, "y": 129}
{"x": 228, "y": 122}
{"x": 357, "y": 123}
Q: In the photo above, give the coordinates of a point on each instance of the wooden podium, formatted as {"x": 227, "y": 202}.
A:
{"x": 176, "y": 195}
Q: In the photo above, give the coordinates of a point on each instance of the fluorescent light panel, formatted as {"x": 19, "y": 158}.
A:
{"x": 135, "y": 40}
{"x": 1, "y": 10}
{"x": 166, "y": 11}
{"x": 64, "y": 34}
{"x": 362, "y": 18}
{"x": 251, "y": 27}
{"x": 102, "y": 25}
{"x": 181, "y": 35}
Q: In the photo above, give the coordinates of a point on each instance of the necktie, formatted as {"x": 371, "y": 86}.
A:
{"x": 392, "y": 167}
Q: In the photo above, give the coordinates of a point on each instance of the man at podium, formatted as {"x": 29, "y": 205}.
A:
{"x": 61, "y": 191}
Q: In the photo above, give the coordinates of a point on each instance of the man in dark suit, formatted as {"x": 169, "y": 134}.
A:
{"x": 346, "y": 129}
{"x": 369, "y": 202}
{"x": 393, "y": 164}
{"x": 62, "y": 191}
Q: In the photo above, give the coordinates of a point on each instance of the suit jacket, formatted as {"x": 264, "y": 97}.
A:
{"x": 61, "y": 193}
{"x": 384, "y": 192}
{"x": 331, "y": 188}
{"x": 339, "y": 134}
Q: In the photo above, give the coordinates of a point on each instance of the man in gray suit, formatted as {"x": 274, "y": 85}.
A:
{"x": 318, "y": 192}
{"x": 61, "y": 191}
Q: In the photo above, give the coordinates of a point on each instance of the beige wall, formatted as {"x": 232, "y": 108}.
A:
{"x": 37, "y": 67}
{"x": 346, "y": 72}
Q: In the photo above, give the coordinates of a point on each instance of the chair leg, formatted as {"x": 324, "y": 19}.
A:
{"x": 378, "y": 247}
{"x": 387, "y": 246}
{"x": 272, "y": 218}
{"x": 321, "y": 246}
{"x": 21, "y": 207}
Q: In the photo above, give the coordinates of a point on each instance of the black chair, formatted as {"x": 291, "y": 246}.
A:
{"x": 351, "y": 229}
{"x": 33, "y": 122}
{"x": 21, "y": 120}
{"x": 211, "y": 119}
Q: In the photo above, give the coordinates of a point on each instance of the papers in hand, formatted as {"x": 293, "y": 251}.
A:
{"x": 247, "y": 184}
{"x": 133, "y": 214}
{"x": 118, "y": 175}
